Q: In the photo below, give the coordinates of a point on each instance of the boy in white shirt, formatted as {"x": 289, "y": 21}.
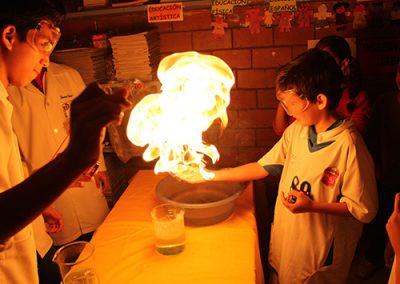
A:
{"x": 327, "y": 189}
{"x": 41, "y": 122}
{"x": 28, "y": 35}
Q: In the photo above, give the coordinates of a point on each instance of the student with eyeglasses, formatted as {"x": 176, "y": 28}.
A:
{"x": 354, "y": 102}
{"x": 29, "y": 33}
{"x": 40, "y": 120}
{"x": 327, "y": 189}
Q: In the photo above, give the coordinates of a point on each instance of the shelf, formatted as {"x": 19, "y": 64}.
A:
{"x": 132, "y": 9}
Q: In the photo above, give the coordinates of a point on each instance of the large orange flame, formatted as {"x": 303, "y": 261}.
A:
{"x": 195, "y": 91}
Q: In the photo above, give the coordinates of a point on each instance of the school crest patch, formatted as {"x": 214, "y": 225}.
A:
{"x": 330, "y": 176}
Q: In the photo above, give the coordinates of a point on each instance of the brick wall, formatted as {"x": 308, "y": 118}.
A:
{"x": 253, "y": 59}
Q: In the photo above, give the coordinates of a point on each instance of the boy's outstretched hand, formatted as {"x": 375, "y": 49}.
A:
{"x": 194, "y": 175}
{"x": 91, "y": 111}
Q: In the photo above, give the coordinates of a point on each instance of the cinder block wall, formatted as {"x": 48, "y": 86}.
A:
{"x": 253, "y": 59}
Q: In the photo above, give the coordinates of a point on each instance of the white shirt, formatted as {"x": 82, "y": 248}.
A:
{"x": 301, "y": 244}
{"x": 17, "y": 255}
{"x": 41, "y": 123}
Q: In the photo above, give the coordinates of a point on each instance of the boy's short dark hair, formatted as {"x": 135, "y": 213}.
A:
{"x": 311, "y": 73}
{"x": 25, "y": 14}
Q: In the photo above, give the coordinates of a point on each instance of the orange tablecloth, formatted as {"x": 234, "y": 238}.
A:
{"x": 222, "y": 253}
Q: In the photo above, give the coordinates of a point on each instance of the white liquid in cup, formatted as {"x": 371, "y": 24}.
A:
{"x": 81, "y": 276}
{"x": 169, "y": 229}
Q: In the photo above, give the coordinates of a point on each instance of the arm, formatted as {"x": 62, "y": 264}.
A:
{"x": 90, "y": 113}
{"x": 25, "y": 201}
{"x": 245, "y": 172}
{"x": 304, "y": 204}
{"x": 393, "y": 229}
{"x": 281, "y": 120}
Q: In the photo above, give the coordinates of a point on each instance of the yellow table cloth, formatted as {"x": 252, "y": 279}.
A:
{"x": 226, "y": 252}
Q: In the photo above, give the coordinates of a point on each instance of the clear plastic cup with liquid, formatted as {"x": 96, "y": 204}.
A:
{"x": 75, "y": 261}
{"x": 169, "y": 228}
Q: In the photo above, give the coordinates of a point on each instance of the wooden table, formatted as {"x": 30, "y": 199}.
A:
{"x": 226, "y": 252}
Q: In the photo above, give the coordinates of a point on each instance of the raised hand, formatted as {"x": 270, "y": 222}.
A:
{"x": 90, "y": 113}
{"x": 194, "y": 175}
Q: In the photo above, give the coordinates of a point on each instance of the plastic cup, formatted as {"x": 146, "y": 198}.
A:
{"x": 75, "y": 261}
{"x": 169, "y": 228}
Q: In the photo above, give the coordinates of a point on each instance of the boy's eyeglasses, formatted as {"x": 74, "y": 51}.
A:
{"x": 44, "y": 37}
{"x": 293, "y": 103}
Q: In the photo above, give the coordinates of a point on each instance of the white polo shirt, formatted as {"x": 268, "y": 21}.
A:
{"x": 335, "y": 166}
{"x": 17, "y": 255}
{"x": 41, "y": 123}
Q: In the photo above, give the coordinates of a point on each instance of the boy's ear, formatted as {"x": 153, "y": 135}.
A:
{"x": 8, "y": 35}
{"x": 322, "y": 101}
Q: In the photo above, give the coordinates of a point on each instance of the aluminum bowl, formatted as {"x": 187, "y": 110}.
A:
{"x": 206, "y": 203}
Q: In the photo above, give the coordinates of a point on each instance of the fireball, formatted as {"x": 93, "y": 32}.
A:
{"x": 195, "y": 91}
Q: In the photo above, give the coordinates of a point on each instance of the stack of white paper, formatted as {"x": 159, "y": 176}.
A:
{"x": 90, "y": 62}
{"x": 136, "y": 55}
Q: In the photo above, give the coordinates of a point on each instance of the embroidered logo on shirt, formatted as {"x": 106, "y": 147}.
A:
{"x": 66, "y": 109}
{"x": 330, "y": 176}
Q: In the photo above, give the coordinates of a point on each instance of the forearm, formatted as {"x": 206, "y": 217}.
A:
{"x": 91, "y": 112}
{"x": 251, "y": 171}
{"x": 330, "y": 208}
{"x": 21, "y": 204}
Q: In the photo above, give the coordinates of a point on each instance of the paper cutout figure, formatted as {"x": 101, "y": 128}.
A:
{"x": 341, "y": 13}
{"x": 285, "y": 21}
{"x": 305, "y": 14}
{"x": 359, "y": 13}
{"x": 268, "y": 18}
{"x": 219, "y": 27}
{"x": 253, "y": 20}
{"x": 322, "y": 17}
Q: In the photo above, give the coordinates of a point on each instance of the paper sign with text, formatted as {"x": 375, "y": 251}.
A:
{"x": 169, "y": 12}
{"x": 225, "y": 7}
{"x": 276, "y": 6}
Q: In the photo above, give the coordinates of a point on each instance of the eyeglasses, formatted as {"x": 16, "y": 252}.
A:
{"x": 44, "y": 37}
{"x": 293, "y": 103}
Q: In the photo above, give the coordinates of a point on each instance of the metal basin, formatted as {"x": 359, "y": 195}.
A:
{"x": 206, "y": 203}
